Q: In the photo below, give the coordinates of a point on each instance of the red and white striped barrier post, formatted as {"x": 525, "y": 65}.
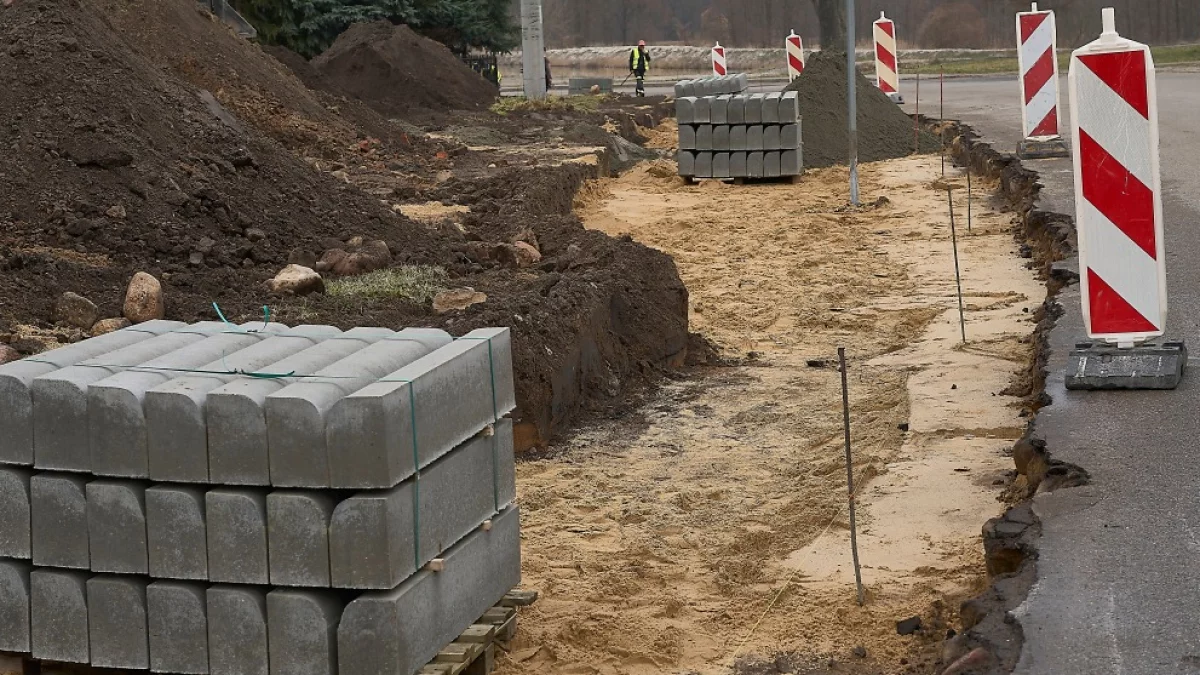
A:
{"x": 795, "y": 55}
{"x": 1037, "y": 54}
{"x": 718, "y": 60}
{"x": 887, "y": 62}
{"x": 1118, "y": 192}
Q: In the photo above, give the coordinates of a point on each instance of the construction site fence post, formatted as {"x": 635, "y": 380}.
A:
{"x": 533, "y": 50}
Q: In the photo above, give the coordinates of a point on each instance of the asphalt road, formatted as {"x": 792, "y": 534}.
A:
{"x": 1119, "y": 572}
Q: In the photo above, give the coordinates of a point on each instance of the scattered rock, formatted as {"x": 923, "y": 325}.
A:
{"x": 116, "y": 212}
{"x": 341, "y": 175}
{"x": 109, "y": 325}
{"x": 363, "y": 257}
{"x": 528, "y": 236}
{"x": 908, "y": 626}
{"x": 196, "y": 259}
{"x": 595, "y": 89}
{"x": 255, "y": 234}
{"x": 8, "y": 354}
{"x": 296, "y": 280}
{"x": 480, "y": 251}
{"x": 527, "y": 254}
{"x": 299, "y": 256}
{"x": 903, "y": 426}
{"x": 457, "y": 299}
{"x": 859, "y": 651}
{"x": 977, "y": 659}
{"x": 76, "y": 310}
{"x": 205, "y": 246}
{"x": 144, "y": 299}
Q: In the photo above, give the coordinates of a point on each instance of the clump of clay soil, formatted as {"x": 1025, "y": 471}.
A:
{"x": 884, "y": 131}
{"x": 398, "y": 72}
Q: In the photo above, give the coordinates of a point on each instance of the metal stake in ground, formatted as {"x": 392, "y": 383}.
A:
{"x": 942, "y": 117}
{"x": 850, "y": 474}
{"x": 852, "y": 100}
{"x": 970, "y": 197}
{"x": 962, "y": 321}
{"x": 917, "y": 119}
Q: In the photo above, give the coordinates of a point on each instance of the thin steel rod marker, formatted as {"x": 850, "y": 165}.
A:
{"x": 917, "y": 118}
{"x": 942, "y": 117}
{"x": 850, "y": 475}
{"x": 962, "y": 321}
{"x": 970, "y": 197}
{"x": 852, "y": 100}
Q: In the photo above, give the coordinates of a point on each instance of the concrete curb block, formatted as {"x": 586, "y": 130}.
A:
{"x": 59, "y": 615}
{"x": 298, "y": 538}
{"x": 178, "y": 620}
{"x": 14, "y": 606}
{"x": 237, "y": 631}
{"x": 302, "y": 628}
{"x": 116, "y": 515}
{"x": 58, "y": 510}
{"x": 237, "y": 536}
{"x": 118, "y": 632}
{"x": 15, "y": 522}
{"x": 176, "y": 533}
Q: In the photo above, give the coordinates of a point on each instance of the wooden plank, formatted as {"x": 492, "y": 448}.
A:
{"x": 437, "y": 669}
{"x": 508, "y": 630}
{"x": 497, "y": 615}
{"x": 478, "y": 634}
{"x": 516, "y": 598}
{"x": 455, "y": 652}
{"x": 484, "y": 664}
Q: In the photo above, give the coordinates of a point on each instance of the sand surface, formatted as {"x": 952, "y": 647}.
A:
{"x": 709, "y": 528}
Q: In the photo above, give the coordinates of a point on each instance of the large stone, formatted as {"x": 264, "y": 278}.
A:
{"x": 176, "y": 532}
{"x": 144, "y": 299}
{"x": 237, "y": 536}
{"x": 238, "y": 451}
{"x": 58, "y": 505}
{"x": 14, "y": 606}
{"x": 117, "y": 624}
{"x": 372, "y": 534}
{"x": 14, "y": 513}
{"x": 8, "y": 354}
{"x": 61, "y": 401}
{"x": 75, "y": 310}
{"x": 302, "y": 628}
{"x": 457, "y": 299}
{"x": 296, "y": 414}
{"x": 178, "y": 620}
{"x": 448, "y": 395}
{"x": 116, "y": 513}
{"x": 105, "y": 326}
{"x": 397, "y": 632}
{"x": 237, "y": 631}
{"x": 16, "y": 395}
{"x": 59, "y": 615}
{"x": 366, "y": 257}
{"x": 296, "y": 280}
{"x": 298, "y": 538}
{"x": 176, "y": 411}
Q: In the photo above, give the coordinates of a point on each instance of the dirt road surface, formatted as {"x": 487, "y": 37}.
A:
{"x": 708, "y": 528}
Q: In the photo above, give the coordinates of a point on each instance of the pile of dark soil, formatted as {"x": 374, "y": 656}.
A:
{"x": 400, "y": 73}
{"x": 884, "y": 131}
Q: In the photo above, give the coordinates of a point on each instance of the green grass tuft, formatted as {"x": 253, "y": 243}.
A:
{"x": 415, "y": 283}
{"x": 512, "y": 104}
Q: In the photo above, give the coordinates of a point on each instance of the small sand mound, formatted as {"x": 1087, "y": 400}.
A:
{"x": 397, "y": 72}
{"x": 884, "y": 131}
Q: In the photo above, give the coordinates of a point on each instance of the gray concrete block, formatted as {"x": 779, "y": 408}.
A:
{"x": 298, "y": 538}
{"x": 721, "y": 138}
{"x": 754, "y": 165}
{"x": 790, "y": 163}
{"x": 719, "y": 110}
{"x": 14, "y": 606}
{"x": 687, "y": 168}
{"x": 178, "y": 619}
{"x": 789, "y": 108}
{"x": 117, "y": 428}
{"x": 60, "y": 399}
{"x": 704, "y": 138}
{"x": 702, "y": 110}
{"x": 371, "y": 534}
{"x": 457, "y": 391}
{"x": 59, "y": 615}
{"x": 237, "y": 631}
{"x": 771, "y": 165}
{"x": 685, "y": 109}
{"x": 15, "y": 522}
{"x": 238, "y": 452}
{"x": 770, "y": 109}
{"x": 16, "y": 379}
{"x": 721, "y": 165}
{"x": 754, "y": 137}
{"x": 116, "y": 514}
{"x": 771, "y": 137}
{"x": 395, "y": 633}
{"x": 704, "y": 164}
{"x": 687, "y": 137}
{"x": 58, "y": 508}
{"x": 680, "y": 91}
{"x": 743, "y": 82}
{"x": 736, "y": 111}
{"x": 738, "y": 140}
{"x": 176, "y": 532}
{"x": 117, "y": 625}
{"x": 297, "y": 414}
{"x": 753, "y": 113}
{"x": 789, "y": 137}
{"x": 737, "y": 165}
{"x": 176, "y": 429}
{"x": 302, "y": 627}
{"x": 237, "y": 536}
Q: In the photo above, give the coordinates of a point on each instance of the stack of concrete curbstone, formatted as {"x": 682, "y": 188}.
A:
{"x": 713, "y": 85}
{"x": 740, "y": 136}
{"x": 256, "y": 499}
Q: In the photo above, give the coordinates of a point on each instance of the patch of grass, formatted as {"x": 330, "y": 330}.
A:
{"x": 415, "y": 283}
{"x": 511, "y": 104}
{"x": 991, "y": 65}
{"x": 1176, "y": 54}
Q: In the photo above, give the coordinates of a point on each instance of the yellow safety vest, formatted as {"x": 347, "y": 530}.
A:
{"x": 639, "y": 60}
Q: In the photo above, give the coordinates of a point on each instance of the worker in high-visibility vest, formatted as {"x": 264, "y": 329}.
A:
{"x": 639, "y": 65}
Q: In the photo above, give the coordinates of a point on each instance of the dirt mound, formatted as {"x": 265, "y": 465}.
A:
{"x": 399, "y": 73}
{"x": 113, "y": 166}
{"x": 884, "y": 131}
